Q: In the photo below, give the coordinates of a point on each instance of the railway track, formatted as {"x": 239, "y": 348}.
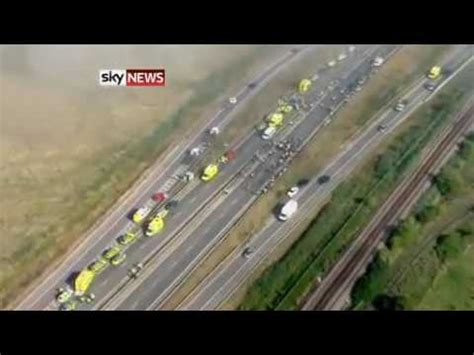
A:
{"x": 359, "y": 254}
{"x": 202, "y": 211}
{"x": 300, "y": 146}
{"x": 217, "y": 275}
{"x": 234, "y": 181}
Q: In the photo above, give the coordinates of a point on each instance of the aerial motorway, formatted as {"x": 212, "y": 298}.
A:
{"x": 160, "y": 178}
{"x": 140, "y": 252}
{"x": 333, "y": 292}
{"x": 257, "y": 164}
{"x": 236, "y": 268}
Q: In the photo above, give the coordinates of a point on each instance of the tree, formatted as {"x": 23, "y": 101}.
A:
{"x": 449, "y": 183}
{"x": 385, "y": 302}
{"x": 443, "y": 184}
{"x": 427, "y": 213}
{"x": 449, "y": 246}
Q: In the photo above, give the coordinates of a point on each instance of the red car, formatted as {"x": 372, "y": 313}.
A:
{"x": 230, "y": 154}
{"x": 159, "y": 197}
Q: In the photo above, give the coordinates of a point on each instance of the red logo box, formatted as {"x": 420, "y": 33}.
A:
{"x": 146, "y": 77}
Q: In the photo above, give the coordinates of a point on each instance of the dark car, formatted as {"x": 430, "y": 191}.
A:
{"x": 171, "y": 205}
{"x": 430, "y": 87}
{"x": 303, "y": 182}
{"x": 323, "y": 179}
{"x": 247, "y": 252}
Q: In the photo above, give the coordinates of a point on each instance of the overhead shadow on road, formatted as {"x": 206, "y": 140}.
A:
{"x": 131, "y": 213}
{"x": 70, "y": 279}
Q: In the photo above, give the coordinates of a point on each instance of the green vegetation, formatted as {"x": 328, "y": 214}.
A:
{"x": 245, "y": 120}
{"x": 284, "y": 284}
{"x": 393, "y": 78}
{"x": 453, "y": 289}
{"x": 99, "y": 179}
{"x": 420, "y": 261}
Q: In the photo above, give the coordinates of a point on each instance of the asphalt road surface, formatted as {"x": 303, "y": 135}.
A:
{"x": 174, "y": 252}
{"x": 168, "y": 268}
{"x": 159, "y": 178}
{"x": 333, "y": 292}
{"x": 195, "y": 225}
{"x": 229, "y": 276}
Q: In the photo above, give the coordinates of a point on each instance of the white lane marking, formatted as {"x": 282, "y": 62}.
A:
{"x": 166, "y": 293}
{"x": 230, "y": 291}
{"x": 232, "y": 202}
{"x": 208, "y": 281}
{"x": 397, "y": 121}
{"x": 452, "y": 75}
{"x": 104, "y": 282}
{"x": 153, "y": 169}
{"x": 341, "y": 168}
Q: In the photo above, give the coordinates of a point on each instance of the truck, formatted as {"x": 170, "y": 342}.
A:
{"x": 83, "y": 282}
{"x": 288, "y": 210}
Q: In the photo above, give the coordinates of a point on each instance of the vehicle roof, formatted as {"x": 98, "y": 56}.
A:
{"x": 290, "y": 204}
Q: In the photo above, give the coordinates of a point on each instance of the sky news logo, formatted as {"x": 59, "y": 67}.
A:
{"x": 132, "y": 77}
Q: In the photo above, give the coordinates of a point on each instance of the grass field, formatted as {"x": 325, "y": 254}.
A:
{"x": 284, "y": 285}
{"x": 410, "y": 62}
{"x": 70, "y": 148}
{"x": 253, "y": 113}
{"x": 453, "y": 288}
{"x": 427, "y": 263}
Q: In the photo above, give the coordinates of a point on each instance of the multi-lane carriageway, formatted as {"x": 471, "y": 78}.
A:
{"x": 158, "y": 176}
{"x": 100, "y": 238}
{"x": 187, "y": 242}
{"x": 220, "y": 284}
{"x": 171, "y": 268}
{"x": 334, "y": 291}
